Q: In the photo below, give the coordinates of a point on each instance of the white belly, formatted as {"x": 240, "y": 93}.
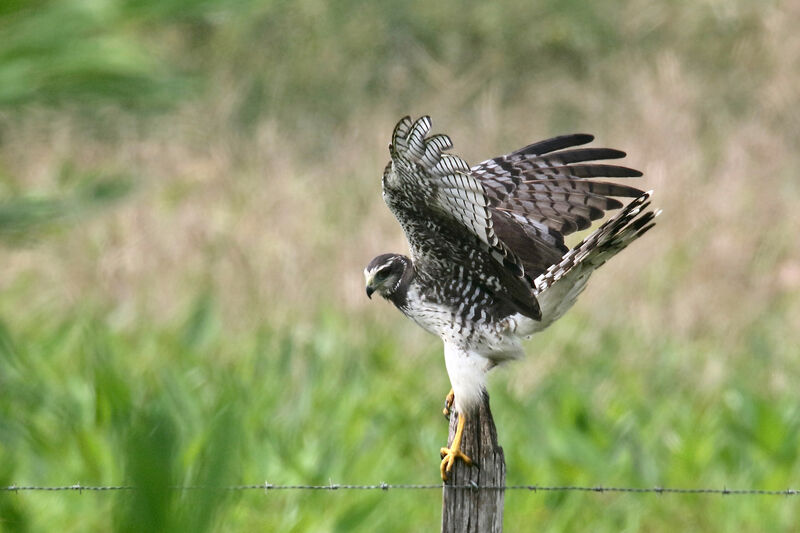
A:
{"x": 470, "y": 349}
{"x": 497, "y": 342}
{"x": 467, "y": 372}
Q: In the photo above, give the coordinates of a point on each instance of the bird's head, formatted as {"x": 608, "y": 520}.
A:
{"x": 385, "y": 273}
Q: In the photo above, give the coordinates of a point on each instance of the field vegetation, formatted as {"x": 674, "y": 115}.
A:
{"x": 189, "y": 191}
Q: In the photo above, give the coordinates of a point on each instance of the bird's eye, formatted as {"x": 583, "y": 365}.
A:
{"x": 382, "y": 274}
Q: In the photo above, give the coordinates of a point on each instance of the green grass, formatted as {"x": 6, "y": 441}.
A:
{"x": 182, "y": 404}
{"x": 190, "y": 190}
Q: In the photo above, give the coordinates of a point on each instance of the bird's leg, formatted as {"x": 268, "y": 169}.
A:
{"x": 448, "y": 403}
{"x": 449, "y": 455}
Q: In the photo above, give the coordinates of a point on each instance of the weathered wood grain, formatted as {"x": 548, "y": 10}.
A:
{"x": 467, "y": 510}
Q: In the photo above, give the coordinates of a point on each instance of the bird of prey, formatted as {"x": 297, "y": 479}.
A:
{"x": 488, "y": 265}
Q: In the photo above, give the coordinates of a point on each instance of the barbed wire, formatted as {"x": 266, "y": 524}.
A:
{"x": 266, "y": 487}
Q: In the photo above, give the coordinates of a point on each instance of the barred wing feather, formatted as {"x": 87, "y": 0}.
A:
{"x": 559, "y": 286}
{"x": 444, "y": 181}
{"x": 543, "y": 187}
{"x": 519, "y": 206}
{"x": 422, "y": 175}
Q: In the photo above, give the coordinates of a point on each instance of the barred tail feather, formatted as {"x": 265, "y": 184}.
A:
{"x": 559, "y": 287}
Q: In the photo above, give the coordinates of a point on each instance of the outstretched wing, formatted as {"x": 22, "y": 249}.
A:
{"x": 559, "y": 287}
{"x": 514, "y": 209}
{"x": 539, "y": 193}
{"x": 447, "y": 215}
{"x": 420, "y": 168}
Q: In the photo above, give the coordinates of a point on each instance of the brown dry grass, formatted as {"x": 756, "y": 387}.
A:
{"x": 278, "y": 228}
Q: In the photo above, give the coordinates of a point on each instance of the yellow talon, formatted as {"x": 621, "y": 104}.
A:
{"x": 448, "y": 403}
{"x": 449, "y": 455}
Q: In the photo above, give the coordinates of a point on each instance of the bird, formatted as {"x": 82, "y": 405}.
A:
{"x": 488, "y": 265}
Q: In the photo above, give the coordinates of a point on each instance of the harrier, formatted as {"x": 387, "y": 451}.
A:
{"x": 488, "y": 264}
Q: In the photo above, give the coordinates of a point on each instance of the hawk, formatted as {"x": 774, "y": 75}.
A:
{"x": 488, "y": 265}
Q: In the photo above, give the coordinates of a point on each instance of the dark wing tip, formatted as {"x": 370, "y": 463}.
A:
{"x": 555, "y": 143}
{"x": 579, "y": 155}
{"x": 582, "y": 138}
{"x": 602, "y": 171}
{"x": 622, "y": 172}
{"x": 613, "y": 153}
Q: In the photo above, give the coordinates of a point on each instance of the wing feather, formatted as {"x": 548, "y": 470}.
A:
{"x": 555, "y": 143}
{"x": 441, "y": 186}
{"x": 585, "y": 171}
{"x": 442, "y": 180}
{"x": 548, "y": 184}
{"x": 519, "y": 206}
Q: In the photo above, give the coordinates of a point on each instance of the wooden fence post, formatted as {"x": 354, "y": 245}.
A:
{"x": 469, "y": 510}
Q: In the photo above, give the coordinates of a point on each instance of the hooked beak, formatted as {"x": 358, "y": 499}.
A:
{"x": 369, "y": 279}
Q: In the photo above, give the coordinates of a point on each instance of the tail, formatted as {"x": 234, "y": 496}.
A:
{"x": 559, "y": 287}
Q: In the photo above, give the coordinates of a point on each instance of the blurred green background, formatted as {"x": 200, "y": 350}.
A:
{"x": 189, "y": 191}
